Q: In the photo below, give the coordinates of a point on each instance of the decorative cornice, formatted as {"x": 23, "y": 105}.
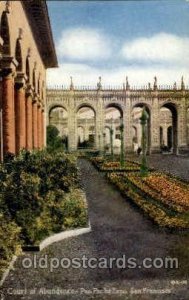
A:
{"x": 37, "y": 13}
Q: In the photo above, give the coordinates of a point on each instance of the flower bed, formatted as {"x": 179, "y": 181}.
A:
{"x": 160, "y": 207}
{"x": 172, "y": 193}
{"x": 111, "y": 166}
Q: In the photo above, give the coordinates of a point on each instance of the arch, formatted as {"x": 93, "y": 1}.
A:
{"x": 86, "y": 105}
{"x": 88, "y": 119}
{"x": 18, "y": 55}
{"x": 53, "y": 106}
{"x": 59, "y": 119}
{"x": 169, "y": 103}
{"x": 173, "y": 132}
{"x": 116, "y": 106}
{"x": 5, "y": 34}
{"x": 142, "y": 104}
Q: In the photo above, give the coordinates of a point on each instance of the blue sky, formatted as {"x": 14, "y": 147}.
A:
{"x": 114, "y": 39}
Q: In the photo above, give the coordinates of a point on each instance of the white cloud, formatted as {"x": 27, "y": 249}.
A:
{"x": 163, "y": 55}
{"x": 162, "y": 47}
{"x": 83, "y": 44}
{"x": 87, "y": 75}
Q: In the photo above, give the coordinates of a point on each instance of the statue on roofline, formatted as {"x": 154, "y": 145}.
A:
{"x": 99, "y": 84}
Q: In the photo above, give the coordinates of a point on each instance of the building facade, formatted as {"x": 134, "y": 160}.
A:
{"x": 26, "y": 51}
{"x": 167, "y": 108}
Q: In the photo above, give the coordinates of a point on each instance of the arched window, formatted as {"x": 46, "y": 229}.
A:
{"x": 28, "y": 69}
{"x": 18, "y": 55}
{"x": 5, "y": 34}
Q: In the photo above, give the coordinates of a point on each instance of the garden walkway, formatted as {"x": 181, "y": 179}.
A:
{"x": 117, "y": 228}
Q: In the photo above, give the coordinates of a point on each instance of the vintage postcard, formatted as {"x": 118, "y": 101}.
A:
{"x": 94, "y": 149}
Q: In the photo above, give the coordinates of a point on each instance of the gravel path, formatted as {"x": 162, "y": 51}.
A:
{"x": 118, "y": 229}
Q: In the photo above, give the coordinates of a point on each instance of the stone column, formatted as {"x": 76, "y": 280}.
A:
{"x": 8, "y": 112}
{"x": 34, "y": 124}
{"x": 72, "y": 123}
{"x": 182, "y": 123}
{"x": 39, "y": 123}
{"x": 155, "y": 124}
{"x": 20, "y": 112}
{"x": 29, "y": 121}
{"x": 8, "y": 67}
{"x": 99, "y": 121}
{"x": 127, "y": 122}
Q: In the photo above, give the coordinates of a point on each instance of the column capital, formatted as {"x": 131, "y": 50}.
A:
{"x": 8, "y": 66}
{"x": 35, "y": 97}
{"x": 29, "y": 90}
{"x": 39, "y": 105}
{"x": 20, "y": 80}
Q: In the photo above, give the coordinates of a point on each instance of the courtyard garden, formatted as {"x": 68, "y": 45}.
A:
{"x": 162, "y": 197}
{"x": 40, "y": 195}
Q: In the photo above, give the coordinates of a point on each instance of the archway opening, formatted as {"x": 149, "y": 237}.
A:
{"x": 58, "y": 117}
{"x": 137, "y": 128}
{"x": 168, "y": 122}
{"x": 86, "y": 128}
{"x": 27, "y": 70}
{"x": 113, "y": 120}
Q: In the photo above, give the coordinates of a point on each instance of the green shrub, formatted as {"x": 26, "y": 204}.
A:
{"x": 74, "y": 210}
{"x": 9, "y": 245}
{"x": 37, "y": 191}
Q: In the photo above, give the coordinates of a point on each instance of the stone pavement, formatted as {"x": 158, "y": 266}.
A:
{"x": 118, "y": 229}
{"x": 176, "y": 165}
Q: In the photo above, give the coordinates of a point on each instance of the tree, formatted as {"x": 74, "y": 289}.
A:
{"x": 53, "y": 138}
